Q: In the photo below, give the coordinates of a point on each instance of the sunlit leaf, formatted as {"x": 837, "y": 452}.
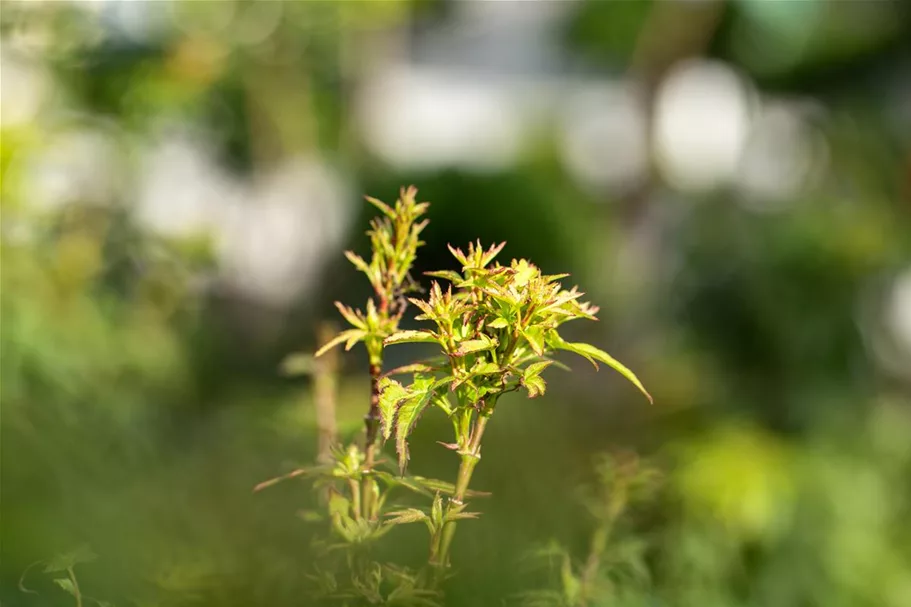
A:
{"x": 405, "y": 337}
{"x": 453, "y": 277}
{"x": 535, "y": 338}
{"x": 412, "y": 368}
{"x": 535, "y": 385}
{"x": 382, "y": 206}
{"x": 594, "y": 354}
{"x": 392, "y": 394}
{"x": 470, "y": 346}
{"x": 351, "y": 336}
{"x": 352, "y": 316}
{"x": 408, "y": 414}
{"x": 406, "y": 516}
{"x": 459, "y": 516}
{"x": 498, "y": 323}
{"x": 358, "y": 262}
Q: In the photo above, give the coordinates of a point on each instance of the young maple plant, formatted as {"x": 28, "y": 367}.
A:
{"x": 497, "y": 328}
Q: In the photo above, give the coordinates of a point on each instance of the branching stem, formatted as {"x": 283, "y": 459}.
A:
{"x": 470, "y": 458}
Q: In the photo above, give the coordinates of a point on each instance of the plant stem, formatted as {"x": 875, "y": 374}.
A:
{"x": 76, "y": 591}
{"x": 615, "y": 503}
{"x": 470, "y": 458}
{"x": 356, "y": 499}
{"x": 371, "y": 422}
{"x": 593, "y": 562}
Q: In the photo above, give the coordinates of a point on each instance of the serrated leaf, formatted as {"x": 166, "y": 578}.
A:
{"x": 498, "y": 323}
{"x": 535, "y": 338}
{"x": 392, "y": 394}
{"x": 470, "y": 346}
{"x": 453, "y": 277}
{"x": 594, "y": 354}
{"x": 352, "y": 316}
{"x": 358, "y": 262}
{"x": 525, "y": 272}
{"x": 405, "y": 337}
{"x": 458, "y": 516}
{"x": 351, "y": 336}
{"x": 444, "y": 487}
{"x": 406, "y": 516}
{"x": 458, "y": 254}
{"x": 408, "y": 414}
{"x": 423, "y": 306}
{"x": 535, "y": 385}
{"x": 485, "y": 368}
{"x": 536, "y": 368}
{"x": 382, "y": 206}
{"x": 412, "y": 368}
{"x": 492, "y": 253}
{"x": 62, "y": 562}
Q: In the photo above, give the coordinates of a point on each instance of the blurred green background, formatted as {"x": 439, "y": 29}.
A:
{"x": 729, "y": 181}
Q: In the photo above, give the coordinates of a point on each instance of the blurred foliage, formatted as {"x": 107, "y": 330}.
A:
{"x": 140, "y": 406}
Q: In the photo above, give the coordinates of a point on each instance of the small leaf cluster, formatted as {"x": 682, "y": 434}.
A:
{"x": 62, "y": 568}
{"x": 497, "y": 327}
{"x": 356, "y": 518}
{"x": 394, "y": 239}
{"x": 614, "y": 570}
{"x": 376, "y": 584}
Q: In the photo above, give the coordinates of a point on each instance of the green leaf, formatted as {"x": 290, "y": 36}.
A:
{"x": 458, "y": 516}
{"x": 401, "y": 481}
{"x": 594, "y": 354}
{"x": 444, "y": 487}
{"x": 453, "y": 277}
{"x": 490, "y": 254}
{"x": 525, "y": 272}
{"x": 405, "y": 337}
{"x": 67, "y": 584}
{"x": 498, "y": 323}
{"x": 536, "y": 368}
{"x": 406, "y": 516}
{"x": 535, "y": 385}
{"x": 382, "y": 206}
{"x": 352, "y": 336}
{"x": 408, "y": 414}
{"x": 412, "y": 368}
{"x": 485, "y": 368}
{"x": 352, "y": 316}
{"x": 392, "y": 393}
{"x": 358, "y": 262}
{"x": 62, "y": 562}
{"x": 535, "y": 338}
{"x": 471, "y": 346}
